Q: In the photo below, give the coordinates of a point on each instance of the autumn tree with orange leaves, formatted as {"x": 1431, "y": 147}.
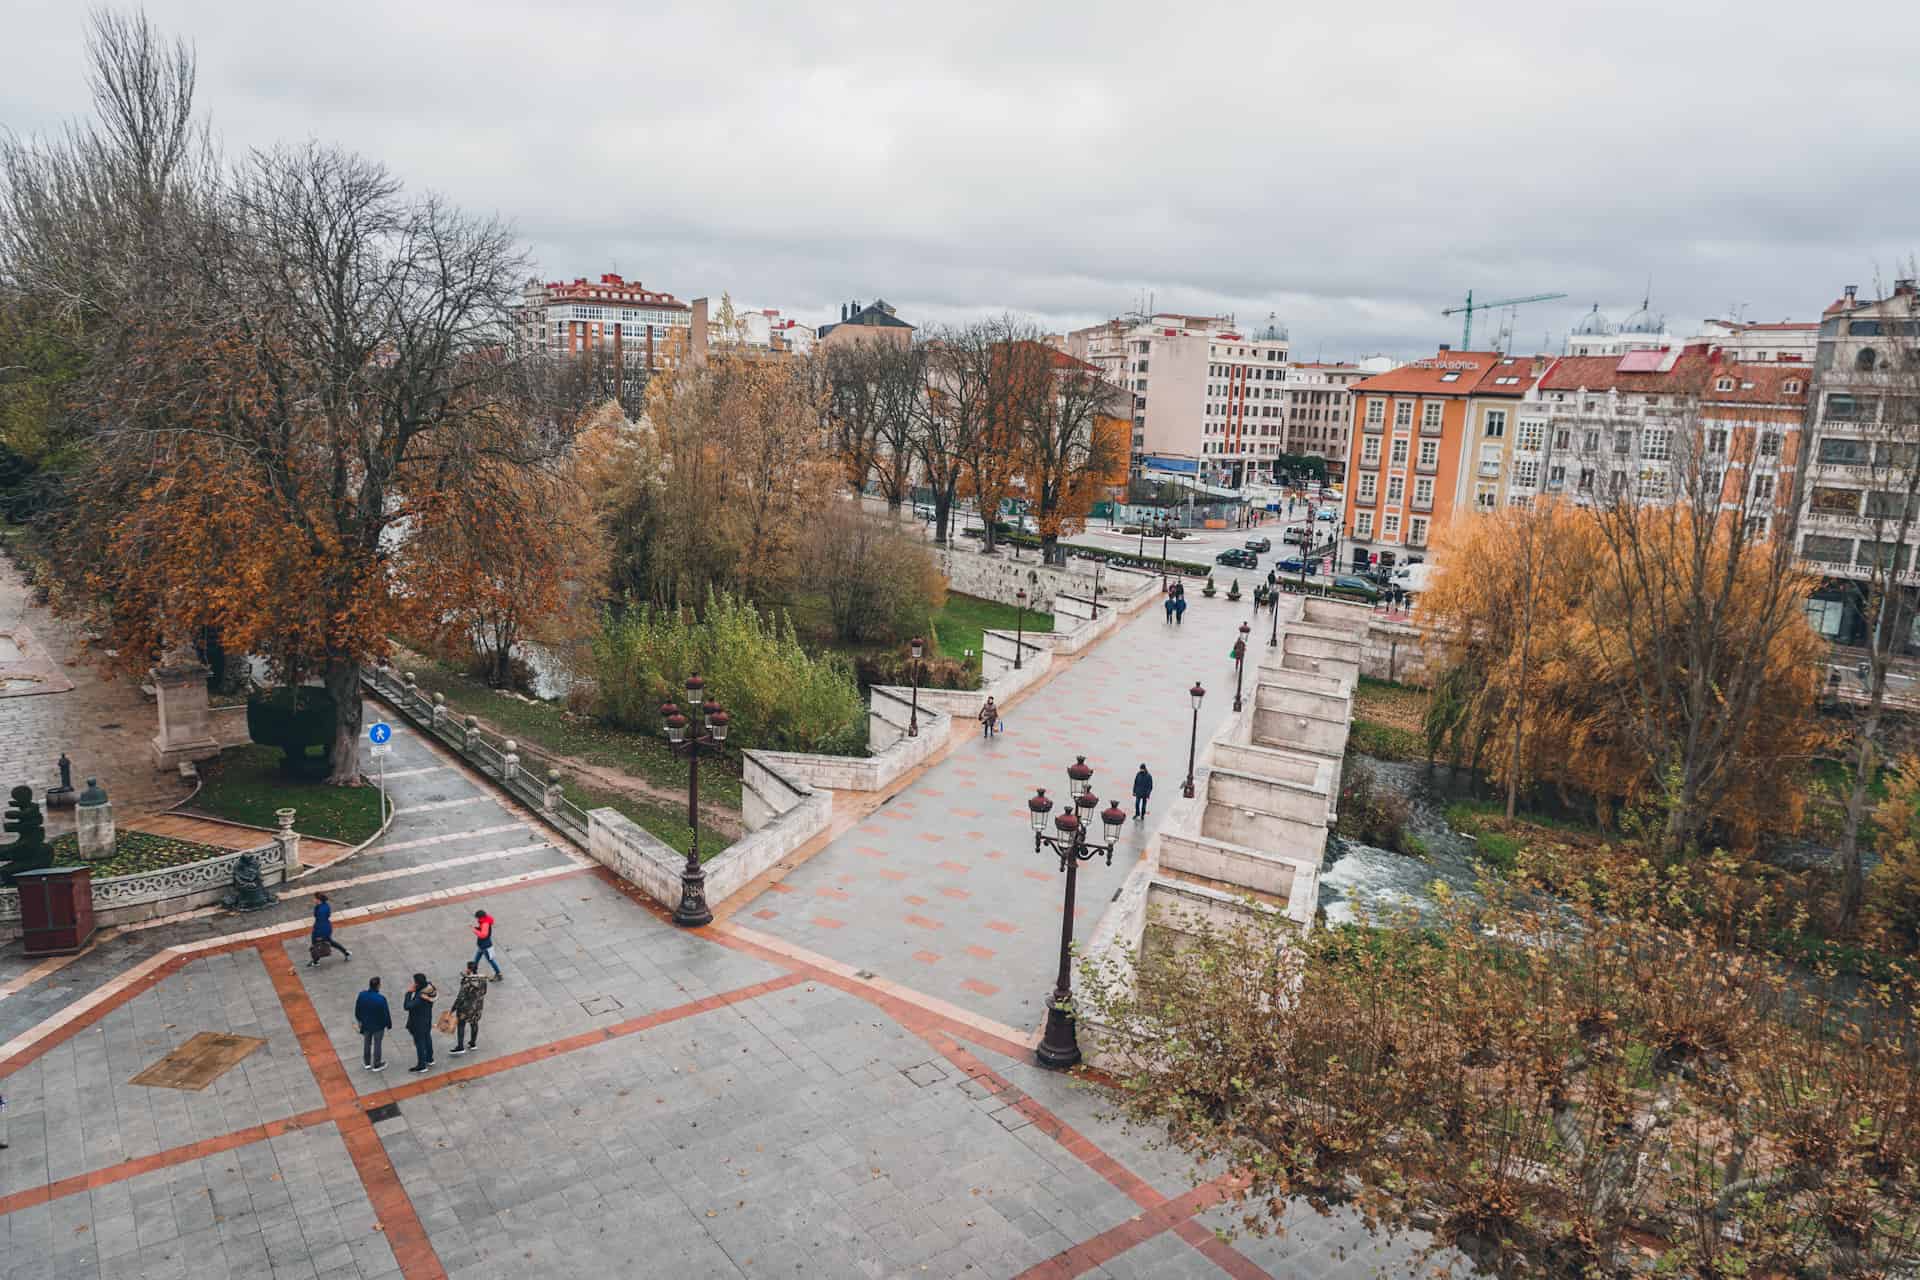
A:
{"x": 1611, "y": 595}
{"x": 294, "y": 388}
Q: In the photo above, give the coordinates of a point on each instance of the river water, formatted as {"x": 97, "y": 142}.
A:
{"x": 1390, "y": 882}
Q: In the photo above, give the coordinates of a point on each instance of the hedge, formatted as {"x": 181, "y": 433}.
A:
{"x": 1125, "y": 559}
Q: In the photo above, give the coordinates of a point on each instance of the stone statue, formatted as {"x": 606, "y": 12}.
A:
{"x": 29, "y": 850}
{"x": 250, "y": 892}
{"x": 61, "y": 797}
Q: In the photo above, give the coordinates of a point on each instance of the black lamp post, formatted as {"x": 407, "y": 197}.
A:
{"x": 1166, "y": 527}
{"x": 1196, "y": 693}
{"x": 1239, "y": 663}
{"x": 1273, "y": 641}
{"x": 1060, "y": 1045}
{"x": 915, "y": 647}
{"x": 1099, "y": 567}
{"x": 1020, "y": 629}
{"x": 706, "y": 732}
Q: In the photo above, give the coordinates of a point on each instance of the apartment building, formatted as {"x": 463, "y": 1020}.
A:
{"x": 637, "y": 329}
{"x": 1318, "y": 406}
{"x": 1203, "y": 389}
{"x": 1663, "y": 425}
{"x": 1785, "y": 342}
{"x": 1862, "y": 488}
{"x": 1408, "y": 449}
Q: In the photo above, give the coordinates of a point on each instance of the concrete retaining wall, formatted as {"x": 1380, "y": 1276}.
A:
{"x": 1263, "y": 873}
{"x": 1395, "y": 651}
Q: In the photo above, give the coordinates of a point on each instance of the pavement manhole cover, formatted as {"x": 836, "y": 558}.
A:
{"x": 926, "y": 1073}
{"x": 385, "y": 1111}
{"x": 554, "y": 922}
{"x": 1011, "y": 1118}
{"x": 597, "y": 1005}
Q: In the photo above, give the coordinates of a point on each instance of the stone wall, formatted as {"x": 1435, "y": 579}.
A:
{"x": 153, "y": 894}
{"x": 1395, "y": 651}
{"x": 999, "y": 576}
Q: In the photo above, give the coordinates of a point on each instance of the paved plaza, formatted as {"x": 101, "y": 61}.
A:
{"x": 773, "y": 1095}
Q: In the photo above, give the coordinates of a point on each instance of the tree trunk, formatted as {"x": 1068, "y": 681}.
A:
{"x": 342, "y": 677}
{"x": 1853, "y": 880}
{"x": 1050, "y": 549}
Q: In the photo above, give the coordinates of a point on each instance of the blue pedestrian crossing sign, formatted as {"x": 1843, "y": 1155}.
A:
{"x": 381, "y": 732}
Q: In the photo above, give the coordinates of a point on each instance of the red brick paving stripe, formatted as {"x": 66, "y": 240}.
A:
{"x": 921, "y": 922}
{"x": 392, "y": 1206}
{"x": 161, "y": 1160}
{"x": 1218, "y": 1252}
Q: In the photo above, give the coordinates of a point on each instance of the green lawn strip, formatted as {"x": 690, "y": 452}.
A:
{"x": 667, "y": 822}
{"x": 960, "y": 624}
{"x": 1385, "y": 741}
{"x": 546, "y": 727}
{"x": 1836, "y": 776}
{"x": 244, "y": 785}
{"x": 135, "y": 852}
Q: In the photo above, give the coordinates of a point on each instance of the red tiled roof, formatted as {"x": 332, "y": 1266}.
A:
{"x": 1693, "y": 373}
{"x": 1427, "y": 375}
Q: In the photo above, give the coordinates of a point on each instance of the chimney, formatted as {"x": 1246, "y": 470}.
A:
{"x": 1905, "y": 288}
{"x": 1446, "y": 346}
{"x": 1851, "y": 291}
{"x": 843, "y": 313}
{"x": 696, "y": 334}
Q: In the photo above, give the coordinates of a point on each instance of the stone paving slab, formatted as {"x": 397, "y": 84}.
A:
{"x": 941, "y": 888}
{"x": 572, "y": 960}
{"x": 71, "y": 1110}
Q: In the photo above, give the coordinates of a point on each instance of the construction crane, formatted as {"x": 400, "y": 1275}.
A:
{"x": 1466, "y": 328}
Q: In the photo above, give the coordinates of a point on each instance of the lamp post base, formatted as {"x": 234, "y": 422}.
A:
{"x": 693, "y": 910}
{"x": 1059, "y": 1047}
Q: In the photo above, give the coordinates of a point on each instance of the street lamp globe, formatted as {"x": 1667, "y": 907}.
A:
{"x": 1038, "y": 808}
{"x": 676, "y": 726}
{"x": 1113, "y": 818}
{"x": 1083, "y": 809}
{"x": 717, "y": 723}
{"x": 916, "y": 646}
{"x": 1066, "y": 824}
{"x": 1196, "y": 693}
{"x": 1079, "y": 778}
{"x": 695, "y": 687}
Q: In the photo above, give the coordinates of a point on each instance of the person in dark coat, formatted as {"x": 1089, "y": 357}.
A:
{"x": 323, "y": 931}
{"x": 419, "y": 1005}
{"x": 375, "y": 1020}
{"x": 1142, "y": 788}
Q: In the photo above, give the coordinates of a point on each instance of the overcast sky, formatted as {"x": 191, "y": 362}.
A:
{"x": 1349, "y": 168}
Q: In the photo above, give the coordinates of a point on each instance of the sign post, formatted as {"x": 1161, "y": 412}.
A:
{"x": 380, "y": 733}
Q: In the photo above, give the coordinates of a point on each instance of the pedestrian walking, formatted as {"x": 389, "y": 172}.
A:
{"x": 1180, "y": 610}
{"x": 1142, "y": 788}
{"x": 322, "y": 941}
{"x": 483, "y": 938}
{"x": 989, "y": 717}
{"x": 370, "y": 1011}
{"x": 419, "y": 1006}
{"x": 467, "y": 1007}
{"x": 1169, "y": 607}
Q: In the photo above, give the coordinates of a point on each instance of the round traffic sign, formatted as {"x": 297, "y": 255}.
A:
{"x": 380, "y": 732}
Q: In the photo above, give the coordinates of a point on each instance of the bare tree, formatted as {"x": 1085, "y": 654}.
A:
{"x": 955, "y": 414}
{"x": 1074, "y": 442}
{"x": 853, "y": 374}
{"x": 900, "y": 411}
{"x": 1868, "y": 408}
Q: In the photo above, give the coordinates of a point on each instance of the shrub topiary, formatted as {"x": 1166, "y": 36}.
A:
{"x": 300, "y": 722}
{"x": 29, "y": 850}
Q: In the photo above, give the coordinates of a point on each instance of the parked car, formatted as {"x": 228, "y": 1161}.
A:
{"x": 1298, "y": 534}
{"x": 1413, "y": 578}
{"x": 1259, "y": 544}
{"x": 1359, "y": 588}
{"x": 1298, "y": 565}
{"x": 1238, "y": 558}
{"x": 1327, "y": 513}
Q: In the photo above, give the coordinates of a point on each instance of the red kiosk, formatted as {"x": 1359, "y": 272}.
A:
{"x": 56, "y": 910}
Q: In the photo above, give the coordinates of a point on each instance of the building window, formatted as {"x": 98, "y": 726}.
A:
{"x": 1370, "y": 452}
{"x": 1791, "y": 386}
{"x": 1866, "y": 360}
{"x": 1763, "y": 488}
{"x": 1417, "y": 530}
{"x": 1496, "y": 423}
{"x": 1717, "y": 441}
{"x": 1723, "y": 384}
{"x": 1429, "y": 453}
{"x": 1622, "y": 443}
{"x": 1396, "y": 488}
{"x": 1390, "y": 525}
{"x": 1400, "y": 451}
{"x": 1656, "y": 445}
{"x": 1527, "y": 436}
{"x": 1556, "y": 477}
{"x": 1368, "y": 481}
{"x": 1430, "y": 415}
{"x": 1363, "y": 524}
{"x": 1526, "y": 473}
{"x": 1376, "y": 411}
{"x": 1484, "y": 498}
{"x": 1423, "y": 491}
{"x": 1403, "y": 413}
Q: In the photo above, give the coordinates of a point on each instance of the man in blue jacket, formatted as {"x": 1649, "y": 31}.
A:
{"x": 375, "y": 1019}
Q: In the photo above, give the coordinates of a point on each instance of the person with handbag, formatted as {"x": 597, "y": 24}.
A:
{"x": 375, "y": 1019}
{"x": 419, "y": 1006}
{"x": 467, "y": 1007}
{"x": 321, "y": 942}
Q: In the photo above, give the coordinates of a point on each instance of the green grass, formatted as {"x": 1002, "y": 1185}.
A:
{"x": 1470, "y": 815}
{"x": 1385, "y": 741}
{"x": 960, "y": 624}
{"x": 548, "y": 728}
{"x": 1837, "y": 777}
{"x": 244, "y": 785}
{"x": 668, "y": 822}
{"x": 135, "y": 852}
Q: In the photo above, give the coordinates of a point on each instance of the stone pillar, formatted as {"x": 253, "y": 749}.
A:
{"x": 439, "y": 711}
{"x": 93, "y": 822}
{"x": 289, "y": 841}
{"x": 469, "y": 732}
{"x": 180, "y": 691}
{"x": 555, "y": 792}
{"x": 509, "y": 760}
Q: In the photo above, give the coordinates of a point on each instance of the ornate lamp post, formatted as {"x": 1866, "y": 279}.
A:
{"x": 706, "y": 732}
{"x": 1060, "y": 1046}
{"x": 1239, "y": 662}
{"x": 915, "y": 646}
{"x": 1273, "y": 640}
{"x": 1196, "y": 693}
{"x": 1099, "y": 567}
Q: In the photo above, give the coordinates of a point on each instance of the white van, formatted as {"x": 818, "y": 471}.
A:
{"x": 1413, "y": 578}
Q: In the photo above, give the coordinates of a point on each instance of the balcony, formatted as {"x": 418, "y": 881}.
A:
{"x": 1422, "y": 504}
{"x": 1841, "y": 470}
{"x": 1840, "y": 519}
{"x": 1416, "y": 537}
{"x": 1426, "y": 468}
{"x": 1489, "y": 471}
